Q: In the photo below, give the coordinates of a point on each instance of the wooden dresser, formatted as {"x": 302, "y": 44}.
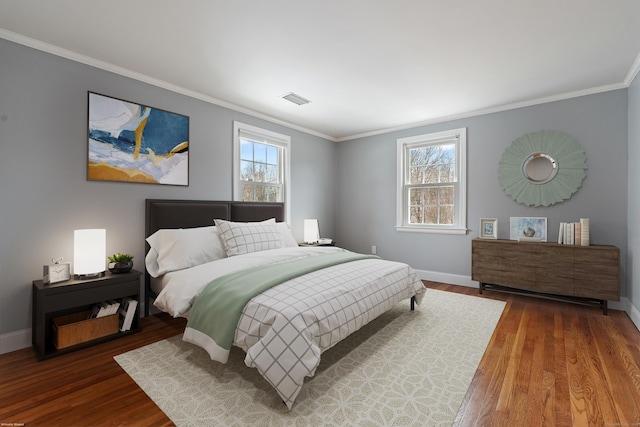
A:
{"x": 587, "y": 274}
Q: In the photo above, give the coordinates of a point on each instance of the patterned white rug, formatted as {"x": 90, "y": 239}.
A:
{"x": 404, "y": 368}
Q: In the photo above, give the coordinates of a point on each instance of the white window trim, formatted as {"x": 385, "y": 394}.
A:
{"x": 269, "y": 137}
{"x": 461, "y": 199}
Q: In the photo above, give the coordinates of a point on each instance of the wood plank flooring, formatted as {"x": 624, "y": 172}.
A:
{"x": 548, "y": 363}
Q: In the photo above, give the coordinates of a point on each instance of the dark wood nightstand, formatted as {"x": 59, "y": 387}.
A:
{"x": 73, "y": 296}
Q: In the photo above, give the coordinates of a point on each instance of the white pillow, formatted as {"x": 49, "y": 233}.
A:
{"x": 288, "y": 241}
{"x": 176, "y": 249}
{"x": 245, "y": 237}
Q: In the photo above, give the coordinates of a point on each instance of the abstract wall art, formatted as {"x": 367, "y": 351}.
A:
{"x": 131, "y": 142}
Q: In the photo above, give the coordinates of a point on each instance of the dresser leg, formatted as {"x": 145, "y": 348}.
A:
{"x": 604, "y": 304}
{"x": 481, "y": 289}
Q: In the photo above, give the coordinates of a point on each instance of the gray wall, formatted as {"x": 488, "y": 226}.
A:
{"x": 633, "y": 273}
{"x": 44, "y": 192}
{"x": 367, "y": 177}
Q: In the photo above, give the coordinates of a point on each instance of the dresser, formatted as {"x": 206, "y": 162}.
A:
{"x": 586, "y": 274}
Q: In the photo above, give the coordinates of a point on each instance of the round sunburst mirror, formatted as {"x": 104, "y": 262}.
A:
{"x": 542, "y": 168}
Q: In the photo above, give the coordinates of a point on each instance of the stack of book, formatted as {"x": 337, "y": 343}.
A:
{"x": 127, "y": 312}
{"x": 574, "y": 233}
{"x": 104, "y": 308}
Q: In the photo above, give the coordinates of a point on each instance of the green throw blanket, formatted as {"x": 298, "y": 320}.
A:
{"x": 217, "y": 310}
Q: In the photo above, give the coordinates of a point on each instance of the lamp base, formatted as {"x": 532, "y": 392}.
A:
{"x": 88, "y": 276}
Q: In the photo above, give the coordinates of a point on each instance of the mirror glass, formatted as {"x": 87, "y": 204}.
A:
{"x": 539, "y": 168}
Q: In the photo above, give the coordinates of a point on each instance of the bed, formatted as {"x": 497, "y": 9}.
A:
{"x": 234, "y": 270}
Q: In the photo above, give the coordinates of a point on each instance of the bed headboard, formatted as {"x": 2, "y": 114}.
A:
{"x": 160, "y": 214}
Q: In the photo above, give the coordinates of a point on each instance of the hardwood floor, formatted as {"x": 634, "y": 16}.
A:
{"x": 548, "y": 363}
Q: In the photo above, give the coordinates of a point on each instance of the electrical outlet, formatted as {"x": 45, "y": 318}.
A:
{"x": 373, "y": 250}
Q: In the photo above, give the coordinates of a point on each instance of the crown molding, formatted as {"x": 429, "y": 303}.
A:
{"x": 87, "y": 60}
{"x": 633, "y": 71}
{"x": 500, "y": 108}
{"x": 103, "y": 65}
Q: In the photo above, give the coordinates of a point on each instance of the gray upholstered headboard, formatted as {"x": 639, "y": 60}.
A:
{"x": 161, "y": 214}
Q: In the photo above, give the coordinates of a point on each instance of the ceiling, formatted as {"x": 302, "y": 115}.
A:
{"x": 368, "y": 66}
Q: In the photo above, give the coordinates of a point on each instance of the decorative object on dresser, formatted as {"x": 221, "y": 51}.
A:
{"x": 488, "y": 228}
{"x": 574, "y": 233}
{"x": 528, "y": 229}
{"x": 62, "y": 313}
{"x": 542, "y": 168}
{"x": 584, "y": 274}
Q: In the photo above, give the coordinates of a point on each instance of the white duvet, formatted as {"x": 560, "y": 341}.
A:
{"x": 285, "y": 329}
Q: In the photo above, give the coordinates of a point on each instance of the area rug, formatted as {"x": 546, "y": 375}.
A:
{"x": 404, "y": 368}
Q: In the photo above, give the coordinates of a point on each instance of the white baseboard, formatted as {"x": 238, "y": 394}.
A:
{"x": 455, "y": 279}
{"x": 452, "y": 279}
{"x": 633, "y": 312}
{"x": 13, "y": 341}
{"x": 22, "y": 339}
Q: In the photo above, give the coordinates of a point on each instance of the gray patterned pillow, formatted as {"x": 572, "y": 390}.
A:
{"x": 245, "y": 237}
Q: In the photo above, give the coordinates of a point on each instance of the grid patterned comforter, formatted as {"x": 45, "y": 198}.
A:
{"x": 285, "y": 329}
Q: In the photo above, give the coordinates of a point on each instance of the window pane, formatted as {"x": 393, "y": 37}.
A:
{"x": 259, "y": 172}
{"x": 431, "y": 196}
{"x": 417, "y": 175}
{"x": 246, "y": 150}
{"x": 248, "y": 193}
{"x": 271, "y": 174}
{"x": 272, "y": 154}
{"x": 415, "y": 215}
{"x": 416, "y": 196}
{"x": 447, "y": 196}
{"x": 260, "y": 193}
{"x": 430, "y": 215}
{"x": 259, "y": 152}
{"x": 246, "y": 170}
{"x": 432, "y": 164}
{"x": 432, "y": 174}
{"x": 446, "y": 215}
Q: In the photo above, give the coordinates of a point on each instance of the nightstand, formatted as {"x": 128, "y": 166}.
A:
{"x": 73, "y": 296}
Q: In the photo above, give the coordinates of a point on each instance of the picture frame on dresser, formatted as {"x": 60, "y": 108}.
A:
{"x": 488, "y": 228}
{"x": 527, "y": 228}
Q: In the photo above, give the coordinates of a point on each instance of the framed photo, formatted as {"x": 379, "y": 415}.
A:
{"x": 130, "y": 142}
{"x": 488, "y": 228}
{"x": 528, "y": 228}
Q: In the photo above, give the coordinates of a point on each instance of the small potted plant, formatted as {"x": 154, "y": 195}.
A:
{"x": 120, "y": 263}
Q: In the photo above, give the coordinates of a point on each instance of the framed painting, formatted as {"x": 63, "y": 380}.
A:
{"x": 130, "y": 142}
{"x": 528, "y": 228}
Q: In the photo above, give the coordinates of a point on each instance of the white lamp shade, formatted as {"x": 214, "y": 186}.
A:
{"x": 89, "y": 251}
{"x": 311, "y": 231}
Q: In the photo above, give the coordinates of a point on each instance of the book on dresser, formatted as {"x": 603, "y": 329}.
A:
{"x": 127, "y": 312}
{"x": 574, "y": 233}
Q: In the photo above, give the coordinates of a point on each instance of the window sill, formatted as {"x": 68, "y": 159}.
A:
{"x": 409, "y": 229}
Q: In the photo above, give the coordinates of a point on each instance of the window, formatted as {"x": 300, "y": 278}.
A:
{"x": 432, "y": 183}
{"x": 261, "y": 164}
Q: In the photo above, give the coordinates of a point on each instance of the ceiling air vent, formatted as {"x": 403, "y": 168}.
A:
{"x": 296, "y": 99}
